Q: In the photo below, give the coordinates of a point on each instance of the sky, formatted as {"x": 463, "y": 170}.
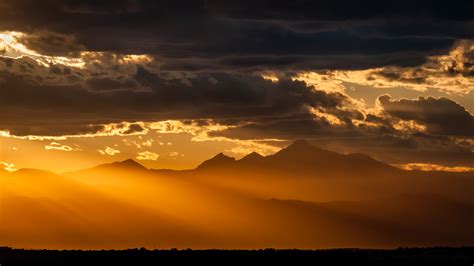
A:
{"x": 172, "y": 83}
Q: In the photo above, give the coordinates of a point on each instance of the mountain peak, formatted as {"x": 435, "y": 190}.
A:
{"x": 252, "y": 155}
{"x": 299, "y": 145}
{"x": 252, "y": 158}
{"x": 302, "y": 149}
{"x": 222, "y": 156}
{"x": 217, "y": 161}
{"x": 128, "y": 164}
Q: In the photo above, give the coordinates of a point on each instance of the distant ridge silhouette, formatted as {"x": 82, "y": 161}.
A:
{"x": 301, "y": 149}
{"x": 218, "y": 161}
{"x": 300, "y": 157}
{"x": 126, "y": 165}
{"x": 303, "y": 158}
{"x": 129, "y": 163}
{"x": 252, "y": 158}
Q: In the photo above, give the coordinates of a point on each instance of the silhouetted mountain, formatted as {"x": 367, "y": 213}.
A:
{"x": 302, "y": 158}
{"x": 126, "y": 165}
{"x": 254, "y": 156}
{"x": 302, "y": 147}
{"x": 252, "y": 159}
{"x": 302, "y": 151}
{"x": 217, "y": 162}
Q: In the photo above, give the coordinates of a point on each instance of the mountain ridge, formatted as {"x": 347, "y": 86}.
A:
{"x": 300, "y": 156}
{"x": 127, "y": 165}
{"x": 219, "y": 160}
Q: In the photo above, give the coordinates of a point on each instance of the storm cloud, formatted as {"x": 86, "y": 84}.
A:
{"x": 441, "y": 116}
{"x": 26, "y": 104}
{"x": 250, "y": 34}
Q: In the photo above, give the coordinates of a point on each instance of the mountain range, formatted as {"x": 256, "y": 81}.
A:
{"x": 301, "y": 158}
{"x": 300, "y": 197}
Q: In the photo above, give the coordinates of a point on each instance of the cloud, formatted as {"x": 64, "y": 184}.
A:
{"x": 440, "y": 116}
{"x": 60, "y": 147}
{"x": 50, "y": 43}
{"x": 10, "y": 167}
{"x": 140, "y": 143}
{"x": 147, "y": 155}
{"x": 109, "y": 151}
{"x": 434, "y": 167}
{"x": 251, "y": 35}
{"x": 75, "y": 109}
{"x": 290, "y": 127}
{"x": 451, "y": 73}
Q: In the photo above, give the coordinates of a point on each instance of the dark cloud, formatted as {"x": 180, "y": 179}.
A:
{"x": 343, "y": 10}
{"x": 295, "y": 62}
{"x": 370, "y": 94}
{"x": 441, "y": 116}
{"x": 26, "y": 104}
{"x": 401, "y": 149}
{"x": 300, "y": 126}
{"x": 52, "y": 43}
{"x": 134, "y": 128}
{"x": 107, "y": 84}
{"x": 249, "y": 34}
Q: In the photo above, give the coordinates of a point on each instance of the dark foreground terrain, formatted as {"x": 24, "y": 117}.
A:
{"x": 400, "y": 256}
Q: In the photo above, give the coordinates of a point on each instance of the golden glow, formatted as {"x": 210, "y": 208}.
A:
{"x": 365, "y": 123}
{"x": 147, "y": 156}
{"x": 445, "y": 72}
{"x": 122, "y": 208}
{"x": 59, "y": 147}
{"x": 326, "y": 81}
{"x": 136, "y": 59}
{"x": 10, "y": 167}
{"x": 6, "y": 38}
{"x": 332, "y": 119}
{"x": 11, "y": 46}
{"x": 409, "y": 126}
{"x": 109, "y": 151}
{"x": 98, "y": 59}
{"x": 434, "y": 167}
{"x": 179, "y": 146}
{"x": 10, "y": 43}
{"x": 107, "y": 130}
{"x": 272, "y": 77}
{"x": 140, "y": 142}
{"x": 245, "y": 147}
{"x": 198, "y": 131}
